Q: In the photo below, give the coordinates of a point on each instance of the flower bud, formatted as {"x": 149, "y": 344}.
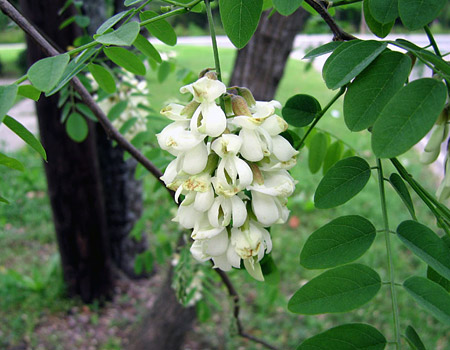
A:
{"x": 211, "y": 75}
{"x": 228, "y": 105}
{"x": 257, "y": 175}
{"x": 247, "y": 95}
{"x": 240, "y": 106}
{"x": 190, "y": 109}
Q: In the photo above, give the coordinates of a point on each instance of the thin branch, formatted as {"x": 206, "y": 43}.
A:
{"x": 339, "y": 34}
{"x": 236, "y": 309}
{"x": 342, "y": 3}
{"x": 112, "y": 133}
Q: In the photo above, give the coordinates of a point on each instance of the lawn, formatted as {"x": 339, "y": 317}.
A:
{"x": 28, "y": 243}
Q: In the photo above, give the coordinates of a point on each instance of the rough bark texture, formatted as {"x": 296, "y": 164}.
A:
{"x": 260, "y": 65}
{"x": 122, "y": 192}
{"x": 73, "y": 176}
{"x": 165, "y": 326}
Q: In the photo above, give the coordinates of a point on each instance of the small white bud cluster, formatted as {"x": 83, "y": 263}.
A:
{"x": 231, "y": 169}
{"x": 134, "y": 92}
{"x": 439, "y": 134}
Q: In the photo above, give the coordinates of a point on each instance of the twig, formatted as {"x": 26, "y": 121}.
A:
{"x": 112, "y": 133}
{"x": 339, "y": 34}
{"x": 235, "y": 296}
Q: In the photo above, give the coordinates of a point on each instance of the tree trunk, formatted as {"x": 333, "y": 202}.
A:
{"x": 165, "y": 326}
{"x": 73, "y": 176}
{"x": 260, "y": 65}
{"x": 122, "y": 192}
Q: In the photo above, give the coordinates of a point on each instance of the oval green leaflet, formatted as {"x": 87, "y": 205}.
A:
{"x": 340, "y": 289}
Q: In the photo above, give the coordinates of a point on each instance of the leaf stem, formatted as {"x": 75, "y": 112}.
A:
{"x": 321, "y": 114}
{"x": 21, "y": 79}
{"x": 213, "y": 39}
{"x": 432, "y": 40}
{"x": 391, "y": 274}
{"x": 136, "y": 10}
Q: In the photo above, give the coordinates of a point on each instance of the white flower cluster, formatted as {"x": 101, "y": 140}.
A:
{"x": 231, "y": 169}
{"x": 134, "y": 92}
{"x": 439, "y": 134}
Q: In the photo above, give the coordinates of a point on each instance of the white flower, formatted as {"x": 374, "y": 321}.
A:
{"x": 233, "y": 174}
{"x": 224, "y": 209}
{"x": 205, "y": 89}
{"x": 251, "y": 240}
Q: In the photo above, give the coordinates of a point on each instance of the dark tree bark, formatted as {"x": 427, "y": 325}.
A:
{"x": 260, "y": 65}
{"x": 73, "y": 176}
{"x": 122, "y": 192}
{"x": 166, "y": 325}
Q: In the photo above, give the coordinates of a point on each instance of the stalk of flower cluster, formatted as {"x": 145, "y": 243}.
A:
{"x": 231, "y": 171}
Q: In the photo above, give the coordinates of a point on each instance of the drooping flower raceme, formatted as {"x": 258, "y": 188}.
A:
{"x": 230, "y": 171}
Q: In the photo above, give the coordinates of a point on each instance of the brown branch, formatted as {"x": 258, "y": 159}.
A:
{"x": 236, "y": 309}
{"x": 339, "y": 34}
{"x": 112, "y": 133}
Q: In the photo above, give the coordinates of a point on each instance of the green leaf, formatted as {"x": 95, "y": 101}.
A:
{"x": 407, "y": 117}
{"x": 3, "y": 200}
{"x": 160, "y": 29}
{"x": 431, "y": 296}
{"x": 117, "y": 110}
{"x": 110, "y": 22}
{"x": 381, "y": 30}
{"x": 25, "y": 135}
{"x": 123, "y": 36}
{"x": 73, "y": 68}
{"x": 337, "y": 290}
{"x": 348, "y": 60}
{"x": 333, "y": 155}
{"x": 103, "y": 78}
{"x": 342, "y": 182}
{"x": 132, "y": 2}
{"x": 287, "y": 7}
{"x": 125, "y": 59}
{"x": 8, "y": 95}
{"x": 254, "y": 269}
{"x": 323, "y": 49}
{"x": 240, "y": 19}
{"x": 86, "y": 111}
{"x": 11, "y": 162}
{"x": 396, "y": 181}
{"x": 424, "y": 243}
{"x": 143, "y": 45}
{"x": 317, "y": 152}
{"x": 29, "y": 91}
{"x": 45, "y": 74}
{"x": 82, "y": 21}
{"x": 300, "y": 110}
{"x": 413, "y": 339}
{"x": 436, "y": 277}
{"x": 418, "y": 13}
{"x": 163, "y": 71}
{"x": 77, "y": 127}
{"x": 384, "y": 11}
{"x": 355, "y": 336}
{"x": 369, "y": 93}
{"x": 341, "y": 241}
{"x": 67, "y": 22}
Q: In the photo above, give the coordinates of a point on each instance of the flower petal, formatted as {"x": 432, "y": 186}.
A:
{"x": 195, "y": 159}
{"x": 217, "y": 245}
{"x": 239, "y": 211}
{"x": 214, "y": 121}
{"x": 265, "y": 208}
{"x": 282, "y": 149}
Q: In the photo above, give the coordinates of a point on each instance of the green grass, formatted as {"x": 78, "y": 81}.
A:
{"x": 28, "y": 243}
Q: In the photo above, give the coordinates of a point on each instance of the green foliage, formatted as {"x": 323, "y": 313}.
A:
{"x": 341, "y": 241}
{"x": 347, "y": 336}
{"x": 323, "y": 49}
{"x": 240, "y": 19}
{"x": 399, "y": 185}
{"x": 45, "y": 74}
{"x": 160, "y": 29}
{"x": 103, "y": 78}
{"x": 334, "y": 153}
{"x": 371, "y": 90}
{"x": 426, "y": 245}
{"x": 340, "y": 289}
{"x": 431, "y": 296}
{"x": 111, "y": 22}
{"x": 11, "y": 163}
{"x": 125, "y": 59}
{"x": 29, "y": 91}
{"x": 123, "y": 36}
{"x": 407, "y": 117}
{"x": 342, "y": 182}
{"x": 300, "y": 110}
{"x": 416, "y": 14}
{"x": 25, "y": 135}
{"x": 381, "y": 30}
{"x": 317, "y": 152}
{"x": 77, "y": 127}
{"x": 8, "y": 95}
{"x": 413, "y": 339}
{"x": 143, "y": 45}
{"x": 287, "y": 7}
{"x": 383, "y": 11}
{"x": 348, "y": 60}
